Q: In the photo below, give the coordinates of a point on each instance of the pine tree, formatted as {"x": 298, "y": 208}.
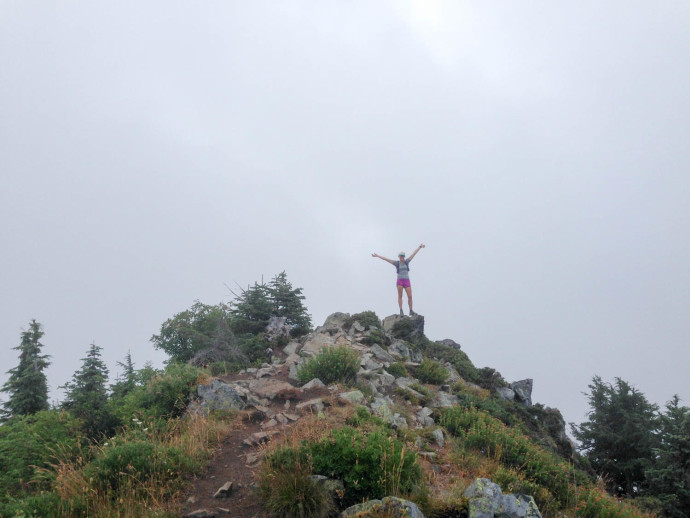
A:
{"x": 27, "y": 385}
{"x": 126, "y": 381}
{"x": 287, "y": 302}
{"x": 251, "y": 310}
{"x": 87, "y": 395}
{"x": 619, "y": 436}
{"x": 669, "y": 477}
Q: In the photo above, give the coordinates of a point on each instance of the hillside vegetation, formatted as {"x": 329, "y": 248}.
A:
{"x": 394, "y": 414}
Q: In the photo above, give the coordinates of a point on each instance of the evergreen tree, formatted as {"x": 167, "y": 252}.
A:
{"x": 669, "y": 477}
{"x": 618, "y": 437}
{"x": 251, "y": 310}
{"x": 27, "y": 384}
{"x": 287, "y": 302}
{"x": 87, "y": 395}
{"x": 127, "y": 380}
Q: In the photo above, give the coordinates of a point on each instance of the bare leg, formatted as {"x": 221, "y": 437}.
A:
{"x": 400, "y": 290}
{"x": 408, "y": 290}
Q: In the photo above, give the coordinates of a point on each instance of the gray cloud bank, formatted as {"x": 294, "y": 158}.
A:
{"x": 152, "y": 152}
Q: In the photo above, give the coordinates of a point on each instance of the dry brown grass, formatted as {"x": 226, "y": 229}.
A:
{"x": 195, "y": 436}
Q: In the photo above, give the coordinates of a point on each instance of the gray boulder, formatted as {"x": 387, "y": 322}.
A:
{"x": 424, "y": 417}
{"x": 453, "y": 375}
{"x": 381, "y": 354}
{"x": 292, "y": 348}
{"x": 391, "y": 507}
{"x": 518, "y": 506}
{"x": 219, "y": 396}
{"x": 381, "y": 406}
{"x": 334, "y": 322}
{"x": 354, "y": 396}
{"x": 399, "y": 348}
{"x": 488, "y": 501}
{"x": 439, "y": 437}
{"x": 485, "y": 498}
{"x": 505, "y": 393}
{"x": 315, "y": 383}
{"x": 444, "y": 400}
{"x": 370, "y": 365}
{"x": 523, "y": 391}
{"x": 315, "y": 342}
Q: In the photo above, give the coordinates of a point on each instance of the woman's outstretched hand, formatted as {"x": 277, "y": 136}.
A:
{"x": 374, "y": 255}
{"x": 422, "y": 245}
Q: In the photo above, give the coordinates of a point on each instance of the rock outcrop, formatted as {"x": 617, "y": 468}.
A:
{"x": 488, "y": 501}
{"x": 274, "y": 400}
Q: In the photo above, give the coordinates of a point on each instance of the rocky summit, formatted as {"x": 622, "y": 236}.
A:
{"x": 401, "y": 380}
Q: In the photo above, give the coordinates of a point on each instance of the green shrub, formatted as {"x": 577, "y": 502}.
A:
{"x": 371, "y": 465}
{"x": 490, "y": 379}
{"x": 163, "y": 396}
{"x": 253, "y": 347}
{"x": 404, "y": 329}
{"x": 125, "y": 462}
{"x": 424, "y": 391}
{"x": 397, "y": 369}
{"x": 492, "y": 406}
{"x": 458, "y": 359}
{"x": 224, "y": 368}
{"x": 593, "y": 503}
{"x": 409, "y": 396}
{"x": 331, "y": 365}
{"x": 363, "y": 416}
{"x": 40, "y": 505}
{"x": 30, "y": 445}
{"x": 376, "y": 336}
{"x": 368, "y": 319}
{"x": 287, "y": 489}
{"x": 430, "y": 371}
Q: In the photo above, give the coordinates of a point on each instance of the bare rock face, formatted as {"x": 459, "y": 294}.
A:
{"x": 523, "y": 391}
{"x": 406, "y": 328}
{"x": 334, "y": 322}
{"x": 506, "y": 393}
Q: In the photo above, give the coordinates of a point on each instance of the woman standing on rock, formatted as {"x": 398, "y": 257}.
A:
{"x": 402, "y": 265}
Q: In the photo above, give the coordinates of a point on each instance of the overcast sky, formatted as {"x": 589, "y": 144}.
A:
{"x": 153, "y": 152}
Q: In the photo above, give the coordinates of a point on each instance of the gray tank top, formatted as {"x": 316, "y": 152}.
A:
{"x": 403, "y": 269}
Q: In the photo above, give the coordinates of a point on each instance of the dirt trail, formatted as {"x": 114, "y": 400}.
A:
{"x": 236, "y": 462}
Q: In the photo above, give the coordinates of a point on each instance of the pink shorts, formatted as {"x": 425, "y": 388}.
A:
{"x": 405, "y": 283}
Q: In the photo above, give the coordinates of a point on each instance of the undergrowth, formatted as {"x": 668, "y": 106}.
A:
{"x": 521, "y": 466}
{"x": 331, "y": 365}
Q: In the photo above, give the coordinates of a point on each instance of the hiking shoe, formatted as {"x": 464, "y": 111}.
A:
{"x": 401, "y": 313}
{"x": 413, "y": 314}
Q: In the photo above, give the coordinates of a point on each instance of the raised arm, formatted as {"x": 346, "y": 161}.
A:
{"x": 415, "y": 252}
{"x": 384, "y": 258}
